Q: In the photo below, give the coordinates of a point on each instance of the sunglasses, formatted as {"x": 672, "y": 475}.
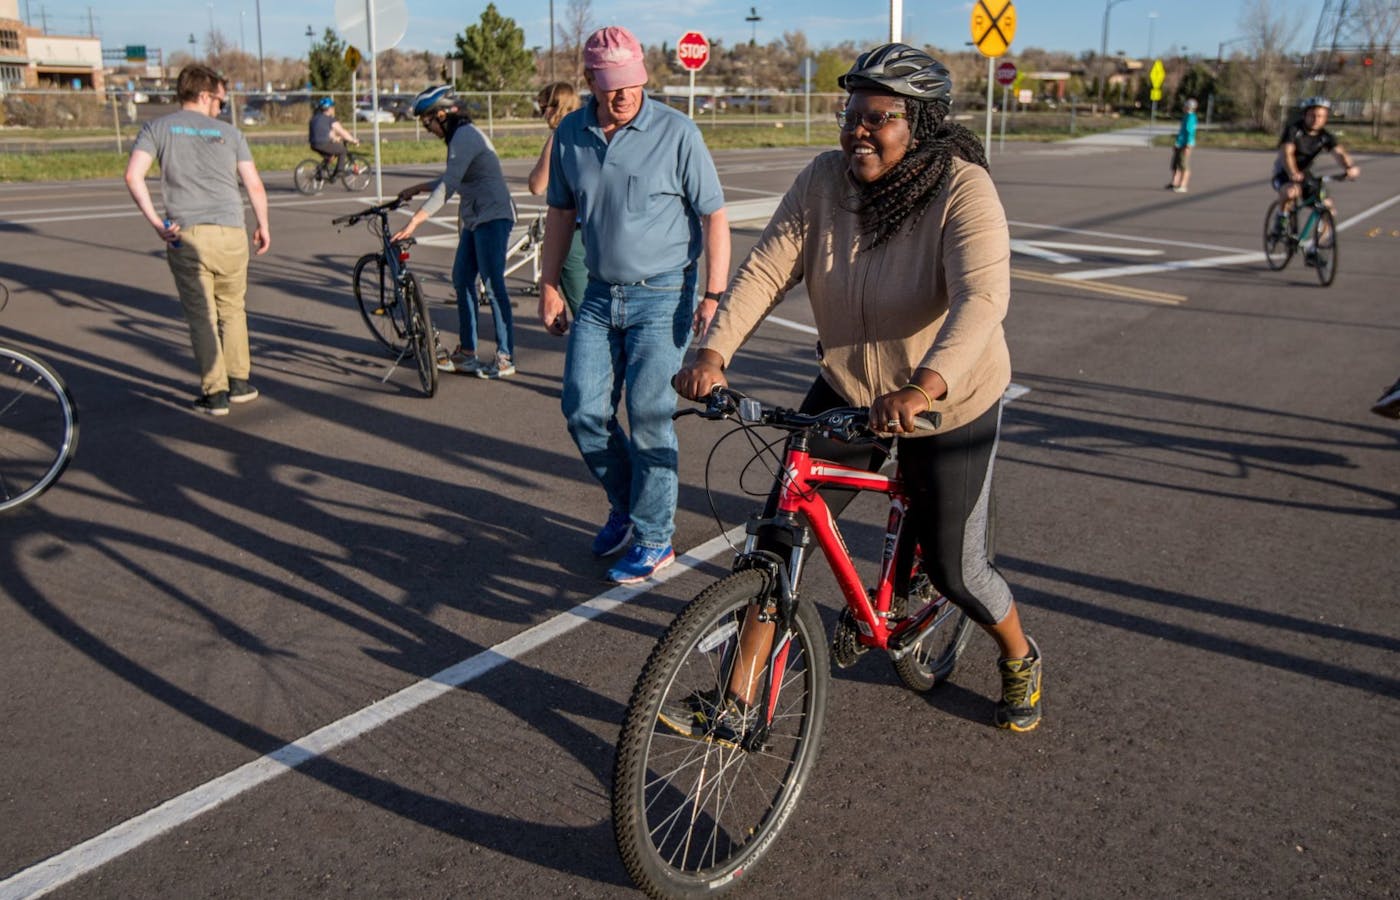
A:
{"x": 873, "y": 121}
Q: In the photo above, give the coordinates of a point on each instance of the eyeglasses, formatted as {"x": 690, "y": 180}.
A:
{"x": 873, "y": 121}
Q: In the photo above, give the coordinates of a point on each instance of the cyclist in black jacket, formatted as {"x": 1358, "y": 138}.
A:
{"x": 1301, "y": 143}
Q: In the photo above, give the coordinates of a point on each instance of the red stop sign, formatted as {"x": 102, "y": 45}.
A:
{"x": 1006, "y": 73}
{"x": 693, "y": 51}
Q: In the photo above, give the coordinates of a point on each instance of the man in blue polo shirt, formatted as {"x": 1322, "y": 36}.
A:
{"x": 637, "y": 177}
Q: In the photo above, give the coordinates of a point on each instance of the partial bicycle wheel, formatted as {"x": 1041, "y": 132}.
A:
{"x": 379, "y": 306}
{"x": 1278, "y": 242}
{"x": 357, "y": 173}
{"x": 932, "y": 660}
{"x": 38, "y": 427}
{"x": 1324, "y": 247}
{"x": 700, "y": 793}
{"x": 307, "y": 177}
{"x": 420, "y": 333}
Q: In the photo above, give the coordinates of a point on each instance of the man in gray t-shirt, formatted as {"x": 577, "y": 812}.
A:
{"x": 202, "y": 160}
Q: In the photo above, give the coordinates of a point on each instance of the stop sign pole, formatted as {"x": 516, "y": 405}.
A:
{"x": 693, "y": 52}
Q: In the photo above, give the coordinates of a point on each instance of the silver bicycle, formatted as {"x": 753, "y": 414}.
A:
{"x": 38, "y": 424}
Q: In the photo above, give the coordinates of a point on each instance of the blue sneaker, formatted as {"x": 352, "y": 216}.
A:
{"x": 641, "y": 563}
{"x": 615, "y": 534}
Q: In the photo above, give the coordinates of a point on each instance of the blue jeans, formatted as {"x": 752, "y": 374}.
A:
{"x": 482, "y": 250}
{"x": 632, "y": 337}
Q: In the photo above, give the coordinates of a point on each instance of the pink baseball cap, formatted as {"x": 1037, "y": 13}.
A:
{"x": 615, "y": 58}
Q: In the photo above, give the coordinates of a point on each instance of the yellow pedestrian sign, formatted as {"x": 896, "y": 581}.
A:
{"x": 993, "y": 27}
{"x": 1158, "y": 74}
{"x": 352, "y": 58}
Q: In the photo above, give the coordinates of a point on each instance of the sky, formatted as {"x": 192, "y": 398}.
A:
{"x": 1135, "y": 26}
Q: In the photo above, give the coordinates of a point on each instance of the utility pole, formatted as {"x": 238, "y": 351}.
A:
{"x": 262, "y": 76}
{"x": 1103, "y": 47}
{"x": 753, "y": 18}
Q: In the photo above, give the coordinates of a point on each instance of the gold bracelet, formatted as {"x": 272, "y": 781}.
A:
{"x": 927, "y": 398}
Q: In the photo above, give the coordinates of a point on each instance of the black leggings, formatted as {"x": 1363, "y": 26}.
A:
{"x": 949, "y": 479}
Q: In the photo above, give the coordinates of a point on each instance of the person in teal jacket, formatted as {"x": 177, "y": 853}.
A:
{"x": 1181, "y": 153}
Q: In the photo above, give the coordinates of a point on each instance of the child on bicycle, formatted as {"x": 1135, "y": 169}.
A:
{"x": 904, "y": 248}
{"x": 1302, "y": 143}
{"x": 327, "y": 136}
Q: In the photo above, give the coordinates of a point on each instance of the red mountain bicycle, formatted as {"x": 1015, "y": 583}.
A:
{"x": 703, "y": 783}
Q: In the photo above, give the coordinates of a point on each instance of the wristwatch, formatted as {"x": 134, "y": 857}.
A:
{"x": 713, "y": 295}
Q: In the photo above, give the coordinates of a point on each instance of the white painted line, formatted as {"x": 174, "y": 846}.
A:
{"x": 1036, "y": 249}
{"x": 789, "y": 323}
{"x": 1366, "y": 214}
{"x": 1097, "y": 248}
{"x": 1125, "y": 237}
{"x": 1170, "y": 266}
{"x": 77, "y": 861}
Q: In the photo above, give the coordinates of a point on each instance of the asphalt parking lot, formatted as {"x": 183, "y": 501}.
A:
{"x": 332, "y": 644}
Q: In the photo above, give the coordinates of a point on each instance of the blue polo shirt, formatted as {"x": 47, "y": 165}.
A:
{"x": 640, "y": 197}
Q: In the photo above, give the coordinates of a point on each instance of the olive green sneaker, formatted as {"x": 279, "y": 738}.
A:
{"x": 1019, "y": 709}
{"x": 703, "y": 716}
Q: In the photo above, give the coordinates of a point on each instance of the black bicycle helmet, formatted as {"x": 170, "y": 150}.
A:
{"x": 899, "y": 69}
{"x": 1310, "y": 102}
{"x": 434, "y": 99}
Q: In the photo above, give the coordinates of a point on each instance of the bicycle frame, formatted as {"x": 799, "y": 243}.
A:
{"x": 802, "y": 474}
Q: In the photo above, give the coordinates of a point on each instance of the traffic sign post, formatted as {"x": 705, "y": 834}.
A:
{"x": 1157, "y": 76}
{"x": 692, "y": 52}
{"x": 993, "y": 27}
{"x": 1006, "y": 76}
{"x": 375, "y": 25}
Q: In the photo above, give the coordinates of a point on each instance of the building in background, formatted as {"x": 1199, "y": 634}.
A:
{"x": 31, "y": 59}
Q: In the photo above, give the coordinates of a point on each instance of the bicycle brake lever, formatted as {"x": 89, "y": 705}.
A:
{"x": 928, "y": 421}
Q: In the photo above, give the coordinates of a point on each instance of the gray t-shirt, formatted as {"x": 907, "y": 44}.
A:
{"x": 474, "y": 170}
{"x": 199, "y": 159}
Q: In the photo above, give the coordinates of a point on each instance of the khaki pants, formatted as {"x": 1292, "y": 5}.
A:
{"x": 211, "y": 274}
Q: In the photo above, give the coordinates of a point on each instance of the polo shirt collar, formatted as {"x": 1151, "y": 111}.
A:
{"x": 641, "y": 121}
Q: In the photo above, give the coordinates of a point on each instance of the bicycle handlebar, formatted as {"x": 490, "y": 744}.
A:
{"x": 843, "y": 423}
{"x": 380, "y": 210}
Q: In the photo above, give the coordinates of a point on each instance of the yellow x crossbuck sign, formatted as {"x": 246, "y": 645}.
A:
{"x": 992, "y": 32}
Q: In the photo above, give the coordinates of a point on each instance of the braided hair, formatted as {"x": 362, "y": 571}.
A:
{"x": 904, "y": 193}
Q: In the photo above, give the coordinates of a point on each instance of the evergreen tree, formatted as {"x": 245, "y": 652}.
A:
{"x": 328, "y": 71}
{"x": 493, "y": 55}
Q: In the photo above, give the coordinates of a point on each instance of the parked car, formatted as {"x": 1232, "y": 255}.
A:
{"x": 366, "y": 113}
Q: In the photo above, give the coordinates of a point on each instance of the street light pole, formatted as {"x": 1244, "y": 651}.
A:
{"x": 1151, "y": 20}
{"x": 310, "y": 49}
{"x": 262, "y": 75}
{"x": 1103, "y": 45}
{"x": 551, "y": 42}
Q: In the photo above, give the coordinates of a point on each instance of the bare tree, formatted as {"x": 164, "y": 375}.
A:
{"x": 1264, "y": 86}
{"x": 1381, "y": 25}
{"x": 572, "y": 32}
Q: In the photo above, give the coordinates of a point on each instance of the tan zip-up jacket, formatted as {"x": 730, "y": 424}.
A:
{"x": 933, "y": 297}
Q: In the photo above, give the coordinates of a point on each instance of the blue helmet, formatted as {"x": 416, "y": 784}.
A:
{"x": 1310, "y": 102}
{"x": 325, "y": 103}
{"x": 434, "y": 99}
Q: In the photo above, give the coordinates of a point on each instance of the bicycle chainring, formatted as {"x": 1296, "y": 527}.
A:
{"x": 846, "y": 647}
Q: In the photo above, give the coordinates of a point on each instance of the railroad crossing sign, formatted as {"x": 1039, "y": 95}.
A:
{"x": 1006, "y": 73}
{"x": 993, "y": 26}
{"x": 693, "y": 51}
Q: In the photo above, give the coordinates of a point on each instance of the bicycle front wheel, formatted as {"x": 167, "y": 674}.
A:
{"x": 379, "y": 307}
{"x": 1278, "y": 242}
{"x": 38, "y": 427}
{"x": 357, "y": 173}
{"x": 1324, "y": 247}
{"x": 306, "y": 177}
{"x": 696, "y": 807}
{"x": 420, "y": 333}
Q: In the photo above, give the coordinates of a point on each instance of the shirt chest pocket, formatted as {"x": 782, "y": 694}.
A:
{"x": 645, "y": 189}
